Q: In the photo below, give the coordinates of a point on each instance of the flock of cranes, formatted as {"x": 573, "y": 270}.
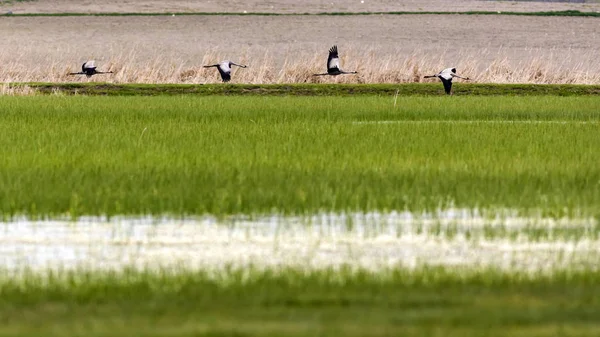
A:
{"x": 333, "y": 69}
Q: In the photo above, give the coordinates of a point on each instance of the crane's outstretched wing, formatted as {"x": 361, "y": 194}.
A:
{"x": 333, "y": 61}
{"x": 88, "y": 65}
{"x": 447, "y": 73}
{"x": 455, "y": 75}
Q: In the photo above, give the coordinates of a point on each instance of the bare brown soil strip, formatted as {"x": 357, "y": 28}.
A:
{"x": 386, "y": 48}
{"x": 284, "y": 6}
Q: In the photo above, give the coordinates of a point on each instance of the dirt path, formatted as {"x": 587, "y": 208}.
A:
{"x": 284, "y": 6}
{"x": 185, "y": 38}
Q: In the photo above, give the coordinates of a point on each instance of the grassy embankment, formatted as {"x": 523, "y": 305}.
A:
{"x": 404, "y": 89}
{"x": 230, "y": 155}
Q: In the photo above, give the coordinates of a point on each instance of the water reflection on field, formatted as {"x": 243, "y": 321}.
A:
{"x": 374, "y": 240}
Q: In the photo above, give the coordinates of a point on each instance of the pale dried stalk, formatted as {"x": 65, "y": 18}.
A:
{"x": 372, "y": 67}
{"x": 6, "y": 89}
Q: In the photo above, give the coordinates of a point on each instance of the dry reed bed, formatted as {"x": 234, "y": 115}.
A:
{"x": 264, "y": 69}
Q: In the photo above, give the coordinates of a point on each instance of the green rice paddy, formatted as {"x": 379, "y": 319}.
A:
{"x": 424, "y": 302}
{"x": 188, "y": 155}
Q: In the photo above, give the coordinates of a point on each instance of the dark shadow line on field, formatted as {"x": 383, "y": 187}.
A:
{"x": 401, "y": 89}
{"x": 568, "y": 13}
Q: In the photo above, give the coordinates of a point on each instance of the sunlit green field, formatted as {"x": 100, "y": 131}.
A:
{"x": 296, "y": 155}
{"x": 188, "y": 156}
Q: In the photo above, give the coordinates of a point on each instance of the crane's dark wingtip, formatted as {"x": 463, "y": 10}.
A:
{"x": 333, "y": 49}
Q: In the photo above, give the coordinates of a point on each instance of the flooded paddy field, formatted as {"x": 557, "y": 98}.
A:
{"x": 376, "y": 274}
{"x": 372, "y": 241}
{"x": 299, "y": 216}
{"x": 349, "y": 216}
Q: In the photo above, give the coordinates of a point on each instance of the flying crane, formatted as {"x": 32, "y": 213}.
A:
{"x": 89, "y": 69}
{"x": 446, "y": 76}
{"x": 224, "y": 69}
{"x": 333, "y": 64}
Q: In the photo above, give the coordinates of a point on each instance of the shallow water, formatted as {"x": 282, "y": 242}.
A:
{"x": 373, "y": 241}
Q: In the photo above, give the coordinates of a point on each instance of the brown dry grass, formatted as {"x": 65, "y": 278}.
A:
{"x": 384, "y": 49}
{"x": 6, "y": 89}
{"x": 373, "y": 67}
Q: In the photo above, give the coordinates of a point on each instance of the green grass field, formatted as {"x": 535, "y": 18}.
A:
{"x": 424, "y": 302}
{"x": 296, "y": 155}
{"x": 229, "y": 155}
